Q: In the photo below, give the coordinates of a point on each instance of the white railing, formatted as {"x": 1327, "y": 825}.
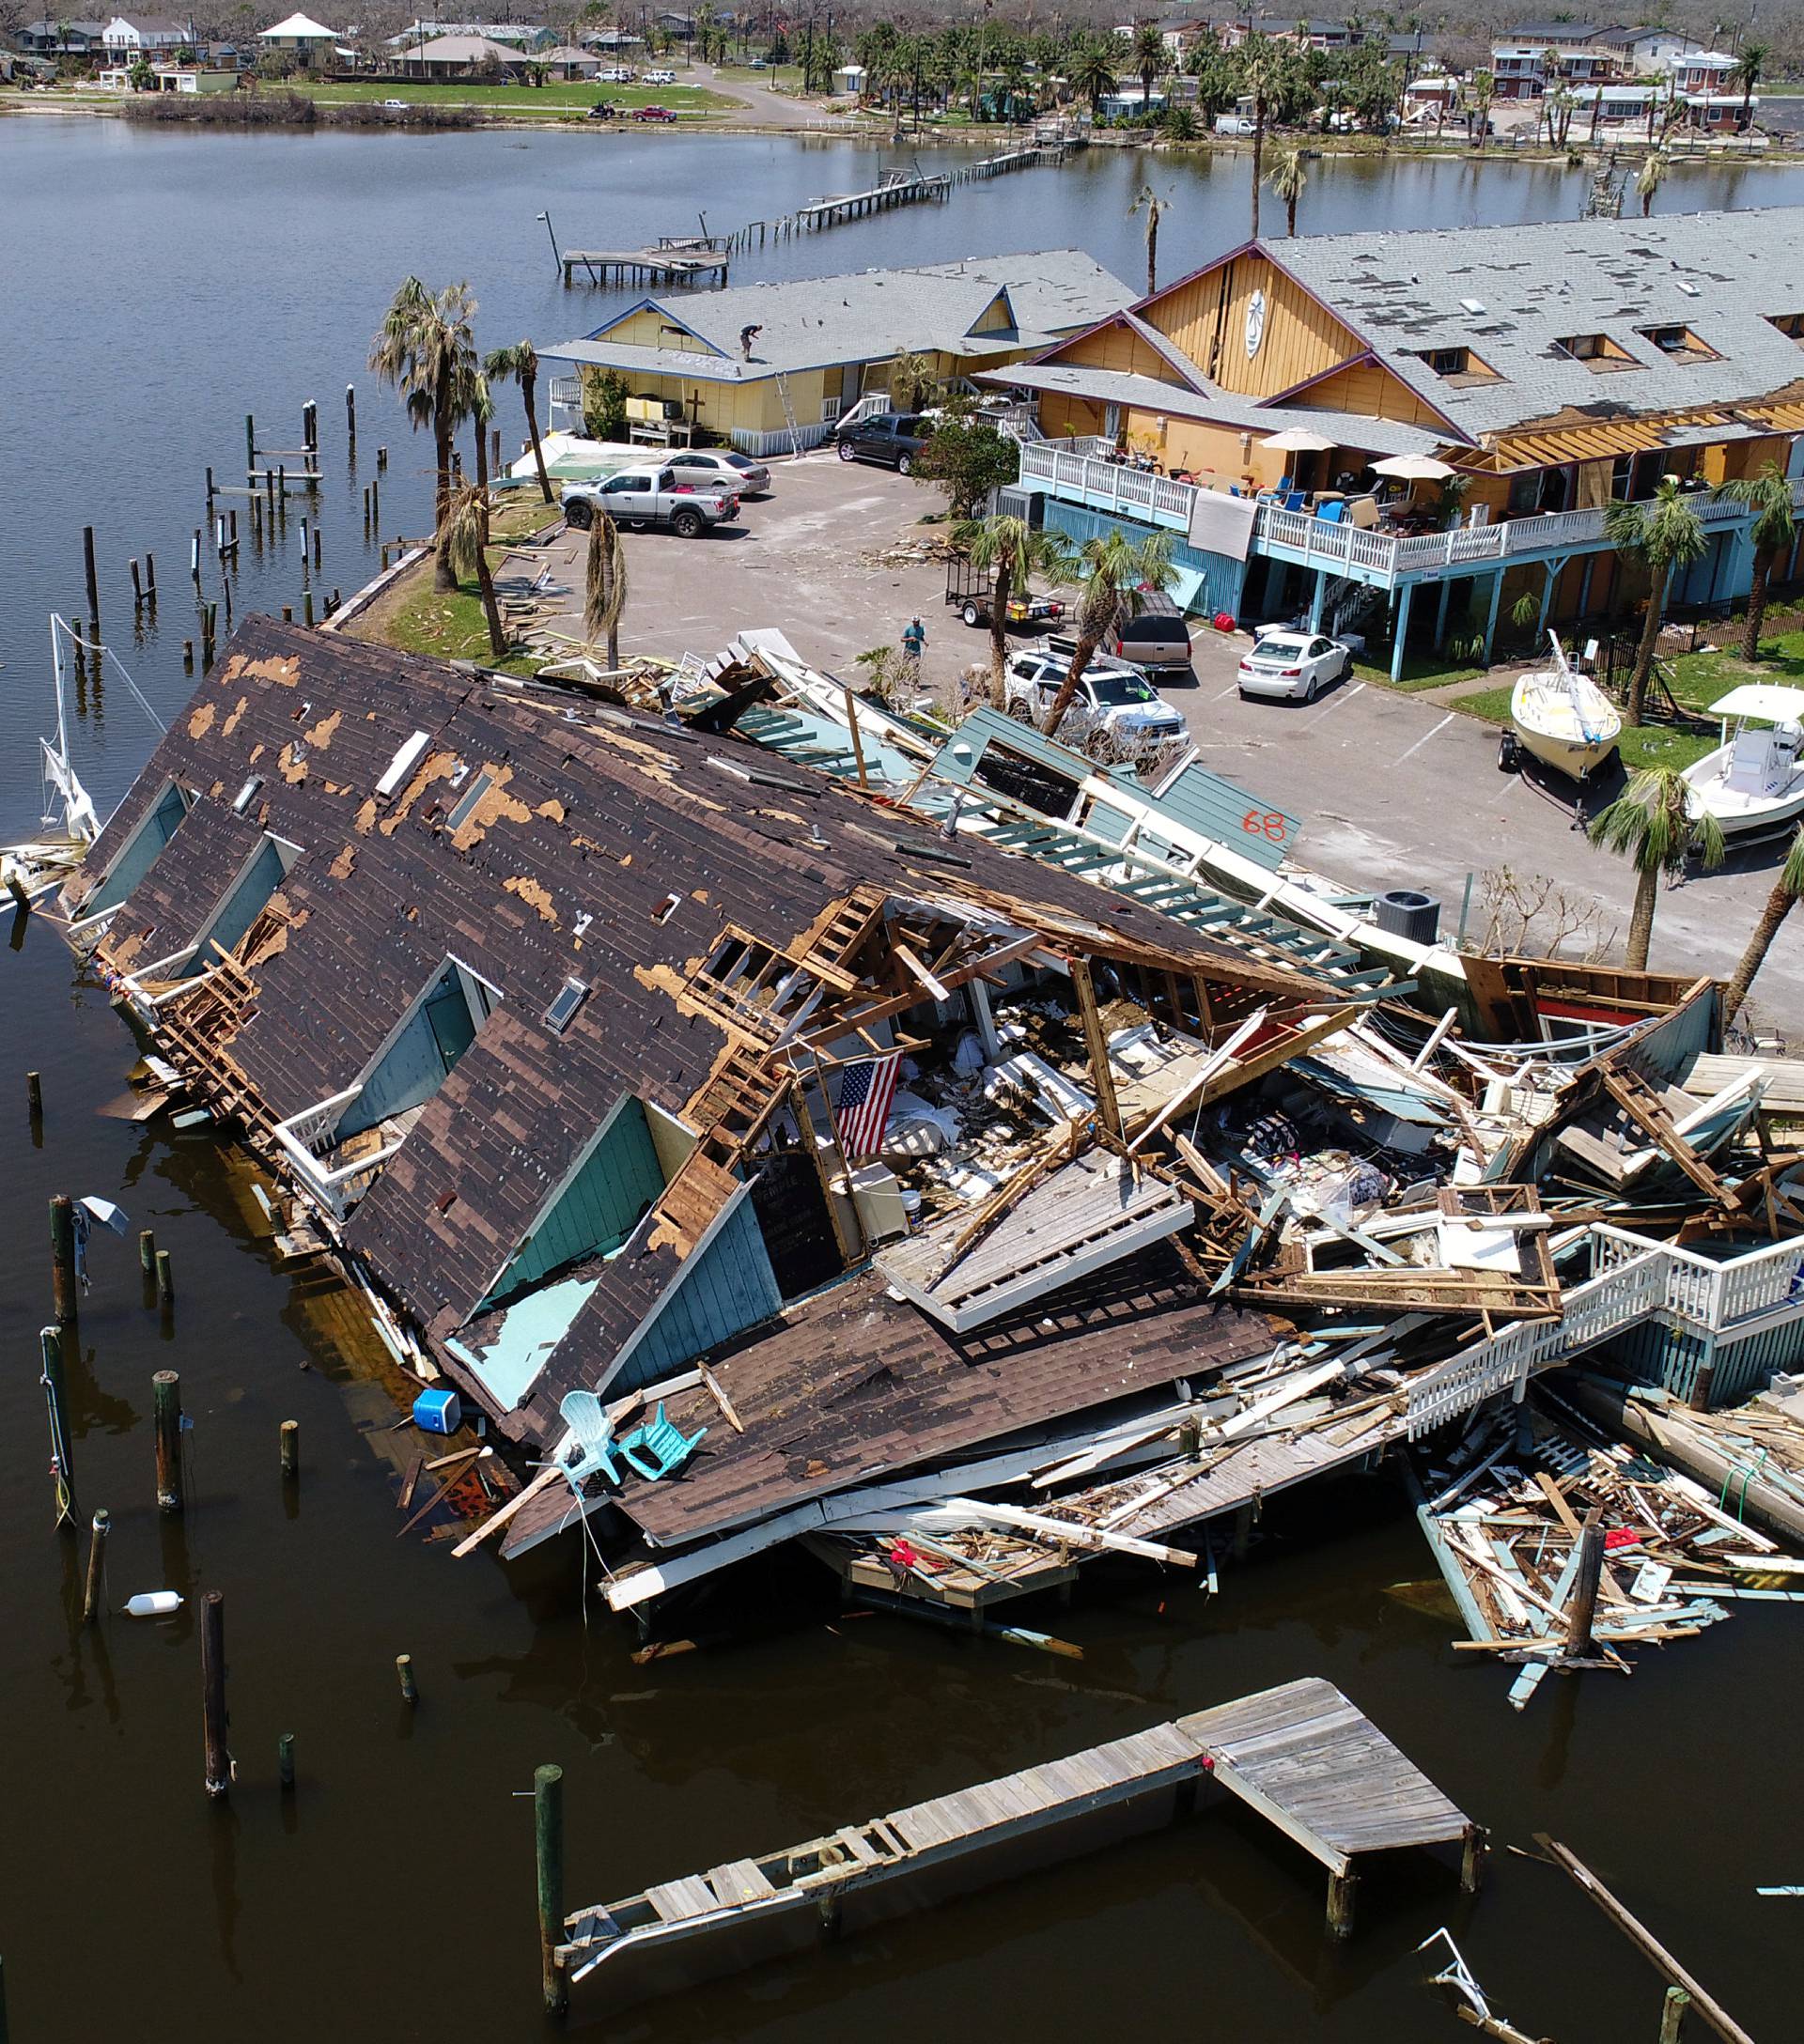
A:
{"x": 308, "y": 1136}
{"x": 1075, "y": 465}
{"x": 1633, "y": 1281}
{"x": 311, "y": 1130}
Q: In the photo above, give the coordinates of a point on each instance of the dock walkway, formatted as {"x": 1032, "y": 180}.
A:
{"x": 1301, "y": 1756}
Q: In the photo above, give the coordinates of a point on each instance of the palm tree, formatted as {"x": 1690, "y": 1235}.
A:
{"x": 1786, "y": 889}
{"x": 1011, "y": 553}
{"x": 1148, "y": 202}
{"x": 520, "y": 364}
{"x": 425, "y": 347}
{"x": 1287, "y": 180}
{"x": 1119, "y": 574}
{"x": 1150, "y": 57}
{"x": 1652, "y": 176}
{"x": 1479, "y": 95}
{"x": 1262, "y": 74}
{"x": 604, "y": 598}
{"x": 482, "y": 411}
{"x": 463, "y": 546}
{"x": 1751, "y": 63}
{"x": 1091, "y": 70}
{"x": 1768, "y": 495}
{"x": 1661, "y": 535}
{"x": 1651, "y": 826}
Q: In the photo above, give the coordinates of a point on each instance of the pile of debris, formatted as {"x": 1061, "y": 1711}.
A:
{"x": 1562, "y": 1553}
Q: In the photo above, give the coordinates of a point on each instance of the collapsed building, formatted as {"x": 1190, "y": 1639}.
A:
{"x": 909, "y": 1139}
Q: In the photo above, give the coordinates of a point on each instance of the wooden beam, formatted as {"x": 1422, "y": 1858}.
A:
{"x": 1096, "y": 1044}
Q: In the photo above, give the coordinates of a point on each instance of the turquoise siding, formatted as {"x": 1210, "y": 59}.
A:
{"x": 1664, "y": 1355}
{"x": 1219, "y": 580}
{"x": 1669, "y": 1047}
{"x": 600, "y": 1206}
{"x": 1204, "y": 801}
{"x": 729, "y": 1286}
{"x": 959, "y": 758}
{"x": 243, "y": 905}
{"x": 416, "y": 1065}
{"x": 140, "y": 851}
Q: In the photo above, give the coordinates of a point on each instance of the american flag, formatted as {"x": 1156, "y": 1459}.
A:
{"x": 866, "y": 1090}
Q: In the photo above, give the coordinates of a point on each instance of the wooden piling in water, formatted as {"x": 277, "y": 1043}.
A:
{"x": 381, "y": 459}
{"x": 1673, "y": 2015}
{"x": 290, "y": 1448}
{"x": 404, "y": 1674}
{"x": 548, "y": 1842}
{"x": 316, "y": 543}
{"x": 62, "y": 1259}
{"x": 137, "y": 585}
{"x": 148, "y": 1254}
{"x": 351, "y": 413}
{"x": 212, "y": 492}
{"x": 150, "y": 579}
{"x": 310, "y": 428}
{"x": 96, "y": 1564}
{"x": 214, "y": 1715}
{"x": 165, "y": 1278}
{"x": 250, "y": 448}
{"x": 165, "y": 1390}
{"x": 1343, "y": 1895}
{"x": 1583, "y": 1606}
{"x": 34, "y": 1096}
{"x": 193, "y": 557}
{"x": 306, "y": 605}
{"x": 284, "y": 1763}
{"x": 87, "y": 561}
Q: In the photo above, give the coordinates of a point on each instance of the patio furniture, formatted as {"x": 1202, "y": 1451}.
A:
{"x": 593, "y": 1443}
{"x": 659, "y": 1446}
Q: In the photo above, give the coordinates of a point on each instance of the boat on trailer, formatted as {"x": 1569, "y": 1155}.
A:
{"x": 1753, "y": 782}
{"x": 1564, "y": 717}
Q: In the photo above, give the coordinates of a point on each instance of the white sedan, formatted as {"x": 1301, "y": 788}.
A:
{"x": 1292, "y": 665}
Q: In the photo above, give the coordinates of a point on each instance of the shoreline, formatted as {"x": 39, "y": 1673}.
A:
{"x": 1355, "y": 147}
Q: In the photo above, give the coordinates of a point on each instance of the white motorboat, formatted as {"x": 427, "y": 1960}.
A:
{"x": 1753, "y": 781}
{"x": 1564, "y": 717}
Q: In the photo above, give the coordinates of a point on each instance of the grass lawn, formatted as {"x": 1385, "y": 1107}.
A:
{"x": 450, "y": 626}
{"x": 1652, "y": 745}
{"x": 1420, "y": 671}
{"x": 553, "y": 99}
{"x": 785, "y": 76}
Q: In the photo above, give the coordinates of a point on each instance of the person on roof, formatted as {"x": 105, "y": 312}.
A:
{"x": 747, "y": 335}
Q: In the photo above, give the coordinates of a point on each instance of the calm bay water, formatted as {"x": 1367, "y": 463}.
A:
{"x": 156, "y": 287}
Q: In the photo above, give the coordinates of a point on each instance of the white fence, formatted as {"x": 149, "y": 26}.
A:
{"x": 1632, "y": 1281}
{"x": 305, "y": 1137}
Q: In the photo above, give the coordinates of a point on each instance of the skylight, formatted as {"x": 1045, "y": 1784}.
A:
{"x": 562, "y": 1011}
{"x": 468, "y": 800}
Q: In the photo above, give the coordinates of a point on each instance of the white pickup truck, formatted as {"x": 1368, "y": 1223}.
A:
{"x": 651, "y": 495}
{"x": 1110, "y": 694}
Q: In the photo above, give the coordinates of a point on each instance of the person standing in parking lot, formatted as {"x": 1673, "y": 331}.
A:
{"x": 914, "y": 640}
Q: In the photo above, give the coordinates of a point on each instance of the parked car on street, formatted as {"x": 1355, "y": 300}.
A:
{"x": 655, "y": 113}
{"x": 1157, "y": 641}
{"x": 657, "y": 78}
{"x": 894, "y": 437}
{"x": 394, "y": 106}
{"x": 616, "y": 74}
{"x": 1109, "y": 694}
{"x": 1233, "y": 124}
{"x": 1294, "y": 665}
{"x": 638, "y": 497}
{"x": 723, "y": 466}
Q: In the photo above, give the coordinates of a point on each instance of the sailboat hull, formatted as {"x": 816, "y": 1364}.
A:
{"x": 1564, "y": 720}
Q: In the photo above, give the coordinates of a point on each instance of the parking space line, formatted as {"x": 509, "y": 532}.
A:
{"x": 1426, "y": 736}
{"x": 1228, "y": 691}
{"x": 1339, "y": 703}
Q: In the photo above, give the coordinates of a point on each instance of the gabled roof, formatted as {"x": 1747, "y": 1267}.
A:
{"x": 301, "y": 29}
{"x": 815, "y": 321}
{"x": 606, "y": 846}
{"x": 461, "y": 50}
{"x": 1723, "y": 274}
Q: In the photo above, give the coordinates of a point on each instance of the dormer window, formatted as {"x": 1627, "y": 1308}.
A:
{"x": 1679, "y": 344}
{"x": 1791, "y": 324}
{"x": 1597, "y": 351}
{"x": 1459, "y": 365}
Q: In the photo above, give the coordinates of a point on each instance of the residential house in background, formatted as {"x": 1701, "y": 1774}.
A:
{"x": 311, "y": 44}
{"x": 1551, "y": 369}
{"x": 128, "y": 36}
{"x": 770, "y": 366}
{"x": 515, "y": 35}
{"x": 191, "y": 80}
{"x": 462, "y": 56}
{"x": 50, "y": 38}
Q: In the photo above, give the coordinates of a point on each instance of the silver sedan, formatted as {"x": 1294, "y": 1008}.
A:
{"x": 722, "y": 466}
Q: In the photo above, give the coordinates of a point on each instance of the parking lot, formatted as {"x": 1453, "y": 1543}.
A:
{"x": 1392, "y": 790}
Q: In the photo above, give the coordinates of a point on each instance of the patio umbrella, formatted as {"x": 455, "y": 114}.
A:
{"x": 1298, "y": 439}
{"x": 1414, "y": 467}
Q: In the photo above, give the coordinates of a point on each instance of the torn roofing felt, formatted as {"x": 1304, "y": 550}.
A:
{"x": 442, "y": 816}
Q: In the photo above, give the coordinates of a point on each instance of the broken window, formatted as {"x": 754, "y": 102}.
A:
{"x": 1459, "y": 365}
{"x": 1679, "y": 344}
{"x": 1597, "y": 351}
{"x": 139, "y": 851}
{"x": 439, "y": 1026}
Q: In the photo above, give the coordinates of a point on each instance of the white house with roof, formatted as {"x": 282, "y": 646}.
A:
{"x": 310, "y": 43}
{"x": 128, "y": 36}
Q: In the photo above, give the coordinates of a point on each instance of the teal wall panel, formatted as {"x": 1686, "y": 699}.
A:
{"x": 600, "y": 1206}
{"x": 1220, "y": 579}
{"x": 139, "y": 852}
{"x": 726, "y": 1288}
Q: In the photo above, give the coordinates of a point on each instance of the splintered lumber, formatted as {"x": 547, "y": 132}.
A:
{"x": 1706, "y": 2004}
{"x": 495, "y": 1521}
{"x": 1069, "y": 1532}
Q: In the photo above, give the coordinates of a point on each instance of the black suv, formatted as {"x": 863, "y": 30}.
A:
{"x": 894, "y": 437}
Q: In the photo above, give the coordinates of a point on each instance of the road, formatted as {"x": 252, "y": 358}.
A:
{"x": 1393, "y": 790}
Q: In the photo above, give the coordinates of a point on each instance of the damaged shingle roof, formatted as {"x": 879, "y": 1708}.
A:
{"x": 1538, "y": 284}
{"x": 605, "y": 846}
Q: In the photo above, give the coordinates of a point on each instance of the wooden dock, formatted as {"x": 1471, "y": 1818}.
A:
{"x": 675, "y": 260}
{"x": 1301, "y": 1756}
{"x": 895, "y": 190}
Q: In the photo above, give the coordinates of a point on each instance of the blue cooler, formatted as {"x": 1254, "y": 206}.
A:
{"x": 438, "y": 1412}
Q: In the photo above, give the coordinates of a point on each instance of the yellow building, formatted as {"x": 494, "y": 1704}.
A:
{"x": 767, "y": 366}
{"x": 1546, "y": 371}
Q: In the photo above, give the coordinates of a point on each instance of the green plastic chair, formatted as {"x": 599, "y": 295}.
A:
{"x": 658, "y": 1448}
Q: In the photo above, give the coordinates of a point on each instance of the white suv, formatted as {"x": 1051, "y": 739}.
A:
{"x": 1110, "y": 694}
{"x": 657, "y": 78}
